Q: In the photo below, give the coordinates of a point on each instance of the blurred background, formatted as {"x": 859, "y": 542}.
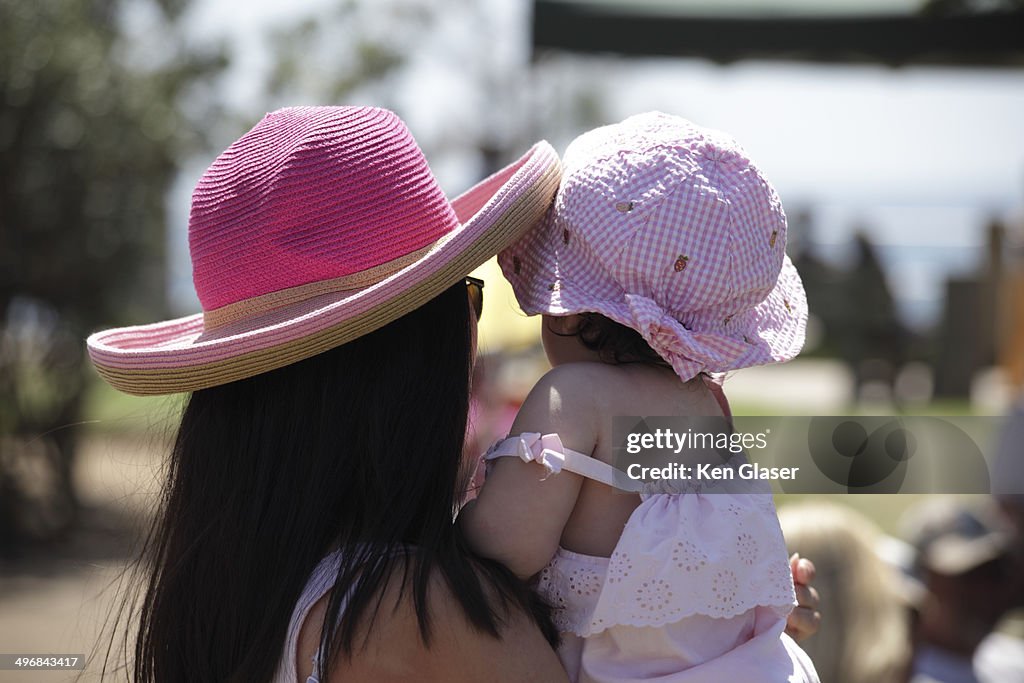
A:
{"x": 892, "y": 130}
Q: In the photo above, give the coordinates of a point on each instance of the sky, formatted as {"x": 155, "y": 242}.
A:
{"x": 919, "y": 157}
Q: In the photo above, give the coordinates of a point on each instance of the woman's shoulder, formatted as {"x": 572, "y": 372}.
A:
{"x": 390, "y": 646}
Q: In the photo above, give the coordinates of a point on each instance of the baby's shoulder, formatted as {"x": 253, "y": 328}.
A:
{"x": 567, "y": 400}
{"x": 598, "y": 389}
{"x": 583, "y": 377}
{"x": 583, "y": 383}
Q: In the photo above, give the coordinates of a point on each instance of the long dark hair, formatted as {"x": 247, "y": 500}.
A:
{"x": 360, "y": 447}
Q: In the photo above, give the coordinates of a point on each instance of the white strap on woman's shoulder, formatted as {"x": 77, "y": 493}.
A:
{"x": 547, "y": 450}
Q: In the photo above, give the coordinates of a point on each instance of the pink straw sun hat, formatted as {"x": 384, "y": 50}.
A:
{"x": 319, "y": 225}
{"x": 670, "y": 229}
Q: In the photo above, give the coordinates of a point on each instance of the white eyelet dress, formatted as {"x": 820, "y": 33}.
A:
{"x": 697, "y": 589}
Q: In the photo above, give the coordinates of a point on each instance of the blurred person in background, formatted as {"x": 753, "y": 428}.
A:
{"x": 865, "y": 638}
{"x": 967, "y": 564}
{"x": 1008, "y": 470}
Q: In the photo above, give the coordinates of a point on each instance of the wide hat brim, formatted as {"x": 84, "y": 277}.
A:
{"x": 181, "y": 355}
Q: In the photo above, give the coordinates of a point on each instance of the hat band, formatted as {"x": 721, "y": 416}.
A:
{"x": 258, "y": 305}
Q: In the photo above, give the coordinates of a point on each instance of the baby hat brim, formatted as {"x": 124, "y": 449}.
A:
{"x": 773, "y": 331}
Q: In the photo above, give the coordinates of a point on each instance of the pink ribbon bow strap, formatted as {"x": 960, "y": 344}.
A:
{"x": 546, "y": 450}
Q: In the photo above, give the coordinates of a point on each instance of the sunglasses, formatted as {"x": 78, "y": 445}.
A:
{"x": 475, "y": 287}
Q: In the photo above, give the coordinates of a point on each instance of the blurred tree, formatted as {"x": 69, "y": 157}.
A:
{"x": 92, "y": 126}
{"x": 354, "y": 45}
{"x": 458, "y": 71}
{"x": 872, "y": 339}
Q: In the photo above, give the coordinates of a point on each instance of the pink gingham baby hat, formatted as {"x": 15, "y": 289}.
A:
{"x": 670, "y": 229}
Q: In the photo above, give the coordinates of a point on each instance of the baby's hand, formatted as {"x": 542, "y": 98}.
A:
{"x": 803, "y": 621}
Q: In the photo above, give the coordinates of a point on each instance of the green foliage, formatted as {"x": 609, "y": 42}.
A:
{"x": 90, "y": 139}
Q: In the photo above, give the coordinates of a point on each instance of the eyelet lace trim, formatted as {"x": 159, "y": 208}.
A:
{"x": 668, "y": 566}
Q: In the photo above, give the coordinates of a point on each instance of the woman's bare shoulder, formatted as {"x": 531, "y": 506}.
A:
{"x": 391, "y": 649}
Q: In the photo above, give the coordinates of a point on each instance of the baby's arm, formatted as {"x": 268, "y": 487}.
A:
{"x": 520, "y": 513}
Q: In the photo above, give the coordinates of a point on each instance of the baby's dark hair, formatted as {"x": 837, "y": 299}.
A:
{"x": 615, "y": 343}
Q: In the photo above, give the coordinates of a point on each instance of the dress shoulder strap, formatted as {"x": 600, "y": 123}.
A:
{"x": 547, "y": 450}
{"x": 320, "y": 581}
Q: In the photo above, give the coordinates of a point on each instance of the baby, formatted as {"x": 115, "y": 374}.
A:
{"x": 661, "y": 264}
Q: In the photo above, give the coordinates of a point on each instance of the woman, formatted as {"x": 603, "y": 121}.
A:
{"x": 322, "y": 444}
